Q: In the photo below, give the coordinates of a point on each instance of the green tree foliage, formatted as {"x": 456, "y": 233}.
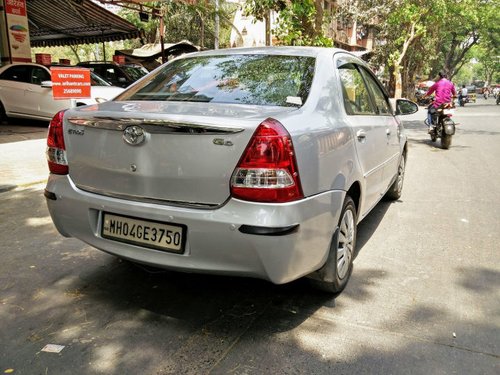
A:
{"x": 81, "y": 52}
{"x": 184, "y": 21}
{"x": 487, "y": 67}
{"x": 300, "y": 22}
{"x": 417, "y": 38}
{"x": 466, "y": 23}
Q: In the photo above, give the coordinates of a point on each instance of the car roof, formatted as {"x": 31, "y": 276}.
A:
{"x": 21, "y": 63}
{"x": 278, "y": 50}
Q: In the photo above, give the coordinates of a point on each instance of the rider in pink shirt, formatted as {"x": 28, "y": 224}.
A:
{"x": 444, "y": 92}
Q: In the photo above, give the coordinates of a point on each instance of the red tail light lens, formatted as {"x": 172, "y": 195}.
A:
{"x": 56, "y": 150}
{"x": 267, "y": 171}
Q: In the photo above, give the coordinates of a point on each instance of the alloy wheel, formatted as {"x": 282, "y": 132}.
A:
{"x": 345, "y": 247}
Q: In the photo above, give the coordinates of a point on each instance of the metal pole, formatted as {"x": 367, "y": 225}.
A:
{"x": 9, "y": 49}
{"x": 216, "y": 41}
{"x": 162, "y": 33}
{"x": 103, "y": 47}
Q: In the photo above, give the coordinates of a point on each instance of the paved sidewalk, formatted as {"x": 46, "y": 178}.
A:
{"x": 22, "y": 163}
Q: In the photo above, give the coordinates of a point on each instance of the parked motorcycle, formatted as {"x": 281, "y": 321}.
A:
{"x": 443, "y": 125}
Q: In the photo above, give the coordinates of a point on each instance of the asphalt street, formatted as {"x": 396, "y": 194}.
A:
{"x": 424, "y": 297}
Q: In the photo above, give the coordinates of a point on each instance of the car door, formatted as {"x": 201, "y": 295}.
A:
{"x": 39, "y": 100}
{"x": 14, "y": 81}
{"x": 369, "y": 132}
{"x": 391, "y": 124}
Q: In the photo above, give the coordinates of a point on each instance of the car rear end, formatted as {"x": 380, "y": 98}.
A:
{"x": 194, "y": 169}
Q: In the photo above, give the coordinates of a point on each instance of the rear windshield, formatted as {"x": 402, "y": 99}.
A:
{"x": 241, "y": 79}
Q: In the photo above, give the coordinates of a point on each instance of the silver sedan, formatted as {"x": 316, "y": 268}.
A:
{"x": 252, "y": 162}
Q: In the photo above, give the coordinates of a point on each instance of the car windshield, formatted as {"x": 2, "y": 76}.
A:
{"x": 96, "y": 80}
{"x": 134, "y": 72}
{"x": 272, "y": 80}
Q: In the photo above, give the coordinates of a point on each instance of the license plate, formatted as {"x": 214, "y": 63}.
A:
{"x": 449, "y": 111}
{"x": 152, "y": 234}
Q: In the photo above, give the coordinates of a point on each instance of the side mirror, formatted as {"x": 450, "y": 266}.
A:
{"x": 405, "y": 107}
{"x": 47, "y": 84}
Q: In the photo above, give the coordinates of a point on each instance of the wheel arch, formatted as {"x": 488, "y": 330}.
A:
{"x": 355, "y": 193}
{"x": 3, "y": 113}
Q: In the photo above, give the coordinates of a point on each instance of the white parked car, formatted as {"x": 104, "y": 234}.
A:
{"x": 252, "y": 162}
{"x": 26, "y": 92}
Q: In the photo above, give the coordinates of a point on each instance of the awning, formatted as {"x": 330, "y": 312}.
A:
{"x": 72, "y": 22}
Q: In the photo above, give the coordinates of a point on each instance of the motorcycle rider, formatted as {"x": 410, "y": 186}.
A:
{"x": 444, "y": 91}
{"x": 462, "y": 95}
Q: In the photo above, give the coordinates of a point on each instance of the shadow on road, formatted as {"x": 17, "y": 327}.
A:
{"x": 116, "y": 317}
{"x": 17, "y": 130}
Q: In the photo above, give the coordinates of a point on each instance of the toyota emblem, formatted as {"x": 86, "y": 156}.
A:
{"x": 134, "y": 135}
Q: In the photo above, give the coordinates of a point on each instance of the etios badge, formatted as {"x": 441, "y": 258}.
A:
{"x": 134, "y": 135}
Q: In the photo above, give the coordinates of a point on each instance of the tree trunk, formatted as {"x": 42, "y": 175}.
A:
{"x": 398, "y": 62}
{"x": 318, "y": 21}
{"x": 267, "y": 20}
{"x": 391, "y": 84}
{"x": 397, "y": 80}
{"x": 75, "y": 51}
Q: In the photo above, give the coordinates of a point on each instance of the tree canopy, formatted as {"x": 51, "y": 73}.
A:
{"x": 414, "y": 38}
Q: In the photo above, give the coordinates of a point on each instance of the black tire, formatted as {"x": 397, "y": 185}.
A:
{"x": 394, "y": 192}
{"x": 335, "y": 274}
{"x": 445, "y": 141}
{"x": 433, "y": 137}
{"x": 3, "y": 115}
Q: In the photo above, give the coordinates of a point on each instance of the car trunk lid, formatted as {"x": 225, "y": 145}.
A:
{"x": 178, "y": 153}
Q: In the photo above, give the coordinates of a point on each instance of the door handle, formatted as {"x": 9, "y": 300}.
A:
{"x": 388, "y": 131}
{"x": 361, "y": 134}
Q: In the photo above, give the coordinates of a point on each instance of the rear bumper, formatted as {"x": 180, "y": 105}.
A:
{"x": 276, "y": 242}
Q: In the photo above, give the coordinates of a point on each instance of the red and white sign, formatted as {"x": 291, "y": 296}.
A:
{"x": 18, "y": 30}
{"x": 43, "y": 58}
{"x": 119, "y": 59}
{"x": 70, "y": 83}
{"x": 17, "y": 7}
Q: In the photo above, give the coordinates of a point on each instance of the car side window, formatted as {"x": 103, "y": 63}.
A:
{"x": 18, "y": 73}
{"x": 109, "y": 74}
{"x": 38, "y": 75}
{"x": 354, "y": 91}
{"x": 380, "y": 99}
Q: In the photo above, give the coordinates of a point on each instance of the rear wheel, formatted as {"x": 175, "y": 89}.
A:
{"x": 3, "y": 115}
{"x": 396, "y": 188}
{"x": 333, "y": 276}
{"x": 445, "y": 141}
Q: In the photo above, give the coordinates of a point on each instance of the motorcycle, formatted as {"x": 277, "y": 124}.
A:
{"x": 498, "y": 99}
{"x": 419, "y": 96}
{"x": 443, "y": 126}
{"x": 462, "y": 99}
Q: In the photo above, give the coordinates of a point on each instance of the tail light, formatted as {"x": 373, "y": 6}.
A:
{"x": 267, "y": 171}
{"x": 56, "y": 150}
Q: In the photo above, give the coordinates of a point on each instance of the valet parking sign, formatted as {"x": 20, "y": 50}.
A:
{"x": 70, "y": 83}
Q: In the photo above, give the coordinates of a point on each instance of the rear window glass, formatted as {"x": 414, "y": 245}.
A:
{"x": 241, "y": 79}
